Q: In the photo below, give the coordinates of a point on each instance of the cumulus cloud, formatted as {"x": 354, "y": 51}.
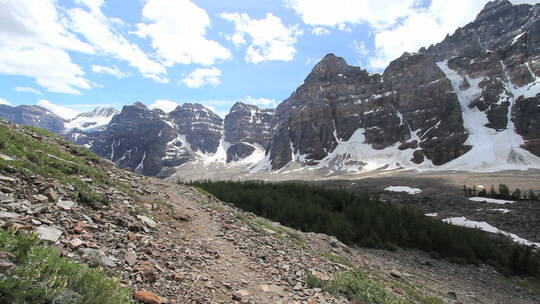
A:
{"x": 164, "y": 104}
{"x": 269, "y": 38}
{"x": 201, "y": 76}
{"x": 360, "y": 47}
{"x": 99, "y": 31}
{"x": 319, "y": 31}
{"x": 4, "y": 102}
{"x": 63, "y": 112}
{"x": 398, "y": 25}
{"x": 177, "y": 29}
{"x": 337, "y": 13}
{"x": 265, "y": 102}
{"x": 34, "y": 43}
{"x": 113, "y": 70}
{"x": 27, "y": 90}
{"x": 423, "y": 27}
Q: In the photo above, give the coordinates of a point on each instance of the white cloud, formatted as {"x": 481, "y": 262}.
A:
{"x": 200, "y": 77}
{"x": 33, "y": 43}
{"x": 398, "y": 25}
{"x": 58, "y": 110}
{"x": 360, "y": 48}
{"x": 266, "y": 102}
{"x": 270, "y": 38}
{"x": 27, "y": 90}
{"x": 337, "y": 13}
{"x": 51, "y": 67}
{"x": 4, "y": 102}
{"x": 423, "y": 27}
{"x": 113, "y": 70}
{"x": 164, "y": 104}
{"x": 100, "y": 32}
{"x": 319, "y": 31}
{"x": 177, "y": 29}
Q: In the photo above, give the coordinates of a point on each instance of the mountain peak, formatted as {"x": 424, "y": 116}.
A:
{"x": 332, "y": 67}
{"x": 238, "y": 106}
{"x": 493, "y": 8}
{"x": 140, "y": 105}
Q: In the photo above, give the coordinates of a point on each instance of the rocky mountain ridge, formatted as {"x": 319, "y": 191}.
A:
{"x": 469, "y": 102}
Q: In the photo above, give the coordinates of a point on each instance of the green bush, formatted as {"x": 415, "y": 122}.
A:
{"x": 42, "y": 276}
{"x": 355, "y": 286}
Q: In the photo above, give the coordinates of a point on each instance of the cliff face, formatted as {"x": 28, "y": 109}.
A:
{"x": 248, "y": 129}
{"x": 202, "y": 128}
{"x": 135, "y": 138}
{"x": 428, "y": 108}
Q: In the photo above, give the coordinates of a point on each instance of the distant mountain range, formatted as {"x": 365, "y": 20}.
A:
{"x": 470, "y": 102}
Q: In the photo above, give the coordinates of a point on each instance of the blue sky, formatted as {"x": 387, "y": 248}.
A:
{"x": 74, "y": 55}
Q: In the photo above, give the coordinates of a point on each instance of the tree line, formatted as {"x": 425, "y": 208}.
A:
{"x": 502, "y": 193}
{"x": 357, "y": 219}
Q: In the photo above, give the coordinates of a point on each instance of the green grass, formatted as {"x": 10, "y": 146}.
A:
{"x": 337, "y": 259}
{"x": 41, "y": 276}
{"x": 202, "y": 191}
{"x": 355, "y": 286}
{"x": 32, "y": 156}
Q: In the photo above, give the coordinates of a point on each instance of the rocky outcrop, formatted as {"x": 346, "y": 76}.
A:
{"x": 396, "y": 108}
{"x": 136, "y": 138}
{"x": 202, "y": 128}
{"x": 247, "y": 128}
{"x": 33, "y": 116}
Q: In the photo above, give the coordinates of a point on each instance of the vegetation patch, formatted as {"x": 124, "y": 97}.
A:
{"x": 357, "y": 219}
{"x": 40, "y": 275}
{"x": 355, "y": 286}
{"x": 70, "y": 166}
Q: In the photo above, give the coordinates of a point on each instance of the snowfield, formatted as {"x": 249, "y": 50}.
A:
{"x": 502, "y": 210}
{"x": 464, "y": 222}
{"x": 490, "y": 200}
{"x": 406, "y": 189}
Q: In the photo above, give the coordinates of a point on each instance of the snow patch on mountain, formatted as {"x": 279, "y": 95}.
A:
{"x": 355, "y": 156}
{"x": 491, "y": 150}
{"x": 99, "y": 118}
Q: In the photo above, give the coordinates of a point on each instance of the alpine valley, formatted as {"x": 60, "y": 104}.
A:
{"x": 470, "y": 102}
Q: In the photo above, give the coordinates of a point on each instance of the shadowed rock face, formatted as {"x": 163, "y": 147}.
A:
{"x": 203, "y": 128}
{"x": 394, "y": 108}
{"x": 136, "y": 138}
{"x": 413, "y": 105}
{"x": 239, "y": 151}
{"x": 246, "y": 126}
{"x": 33, "y": 116}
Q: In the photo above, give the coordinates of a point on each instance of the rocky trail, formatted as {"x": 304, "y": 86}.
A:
{"x": 174, "y": 244}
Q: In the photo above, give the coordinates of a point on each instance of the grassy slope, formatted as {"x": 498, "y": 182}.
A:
{"x": 40, "y": 274}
